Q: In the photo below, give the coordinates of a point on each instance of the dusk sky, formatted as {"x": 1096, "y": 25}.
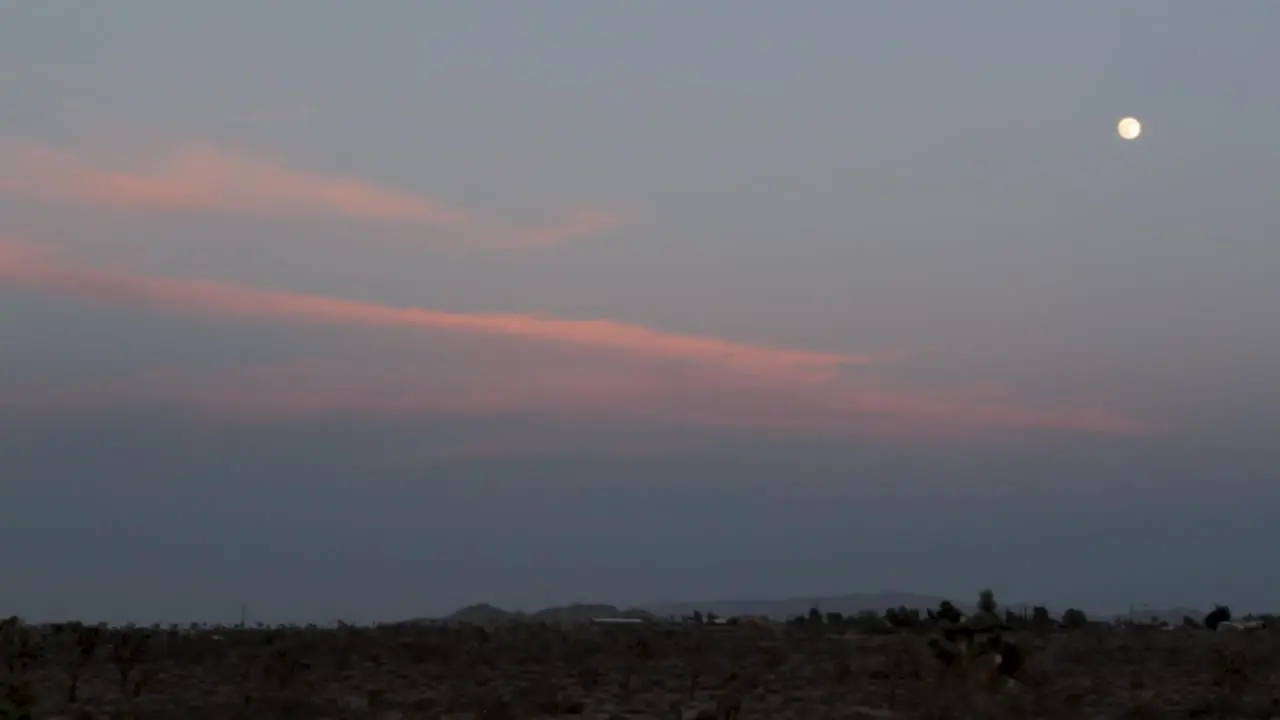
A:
{"x": 375, "y": 310}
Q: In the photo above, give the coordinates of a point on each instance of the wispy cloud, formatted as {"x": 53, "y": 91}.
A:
{"x": 616, "y": 391}
{"x": 205, "y": 178}
{"x": 201, "y": 177}
{"x": 25, "y": 267}
{"x": 716, "y": 383}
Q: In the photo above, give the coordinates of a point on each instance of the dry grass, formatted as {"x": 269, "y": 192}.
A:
{"x": 536, "y": 671}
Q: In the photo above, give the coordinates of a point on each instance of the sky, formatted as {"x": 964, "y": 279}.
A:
{"x": 372, "y": 311}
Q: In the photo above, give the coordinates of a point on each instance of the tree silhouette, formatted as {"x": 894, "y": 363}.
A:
{"x": 987, "y": 603}
{"x": 948, "y": 612}
{"x": 1074, "y": 618}
{"x": 1217, "y": 616}
{"x": 902, "y": 617}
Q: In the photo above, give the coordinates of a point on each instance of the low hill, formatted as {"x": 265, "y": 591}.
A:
{"x": 586, "y": 612}
{"x": 482, "y": 614}
{"x": 487, "y": 615}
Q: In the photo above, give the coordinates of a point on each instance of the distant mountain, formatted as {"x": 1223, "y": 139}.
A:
{"x": 850, "y": 604}
{"x": 585, "y": 612}
{"x": 782, "y": 609}
{"x": 487, "y": 615}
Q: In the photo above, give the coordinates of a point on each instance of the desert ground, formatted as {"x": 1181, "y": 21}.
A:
{"x": 800, "y": 670}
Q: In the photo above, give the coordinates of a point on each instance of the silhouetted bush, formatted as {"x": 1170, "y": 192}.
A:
{"x": 1074, "y": 619}
{"x": 1040, "y": 619}
{"x": 902, "y": 617}
{"x": 1218, "y": 615}
{"x": 870, "y": 623}
{"x": 948, "y": 612}
{"x": 815, "y": 616}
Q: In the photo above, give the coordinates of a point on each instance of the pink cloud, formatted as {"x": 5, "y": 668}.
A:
{"x": 22, "y": 267}
{"x": 634, "y": 373}
{"x": 201, "y": 177}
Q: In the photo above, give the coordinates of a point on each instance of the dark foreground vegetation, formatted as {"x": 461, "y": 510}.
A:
{"x": 903, "y": 663}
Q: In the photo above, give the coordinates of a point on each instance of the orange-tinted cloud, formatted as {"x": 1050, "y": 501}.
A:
{"x": 26, "y": 268}
{"x": 201, "y": 177}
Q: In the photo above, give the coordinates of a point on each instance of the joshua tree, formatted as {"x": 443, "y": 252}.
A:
{"x": 20, "y": 649}
{"x": 976, "y": 651}
{"x": 130, "y": 649}
{"x": 987, "y": 603}
{"x": 87, "y": 640}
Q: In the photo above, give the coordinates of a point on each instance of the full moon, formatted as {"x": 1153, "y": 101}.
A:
{"x": 1129, "y": 128}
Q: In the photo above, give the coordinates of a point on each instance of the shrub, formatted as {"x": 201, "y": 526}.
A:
{"x": 1074, "y": 619}
{"x": 1217, "y": 616}
{"x": 947, "y": 612}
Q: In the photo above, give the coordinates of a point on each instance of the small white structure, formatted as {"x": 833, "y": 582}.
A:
{"x": 1242, "y": 625}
